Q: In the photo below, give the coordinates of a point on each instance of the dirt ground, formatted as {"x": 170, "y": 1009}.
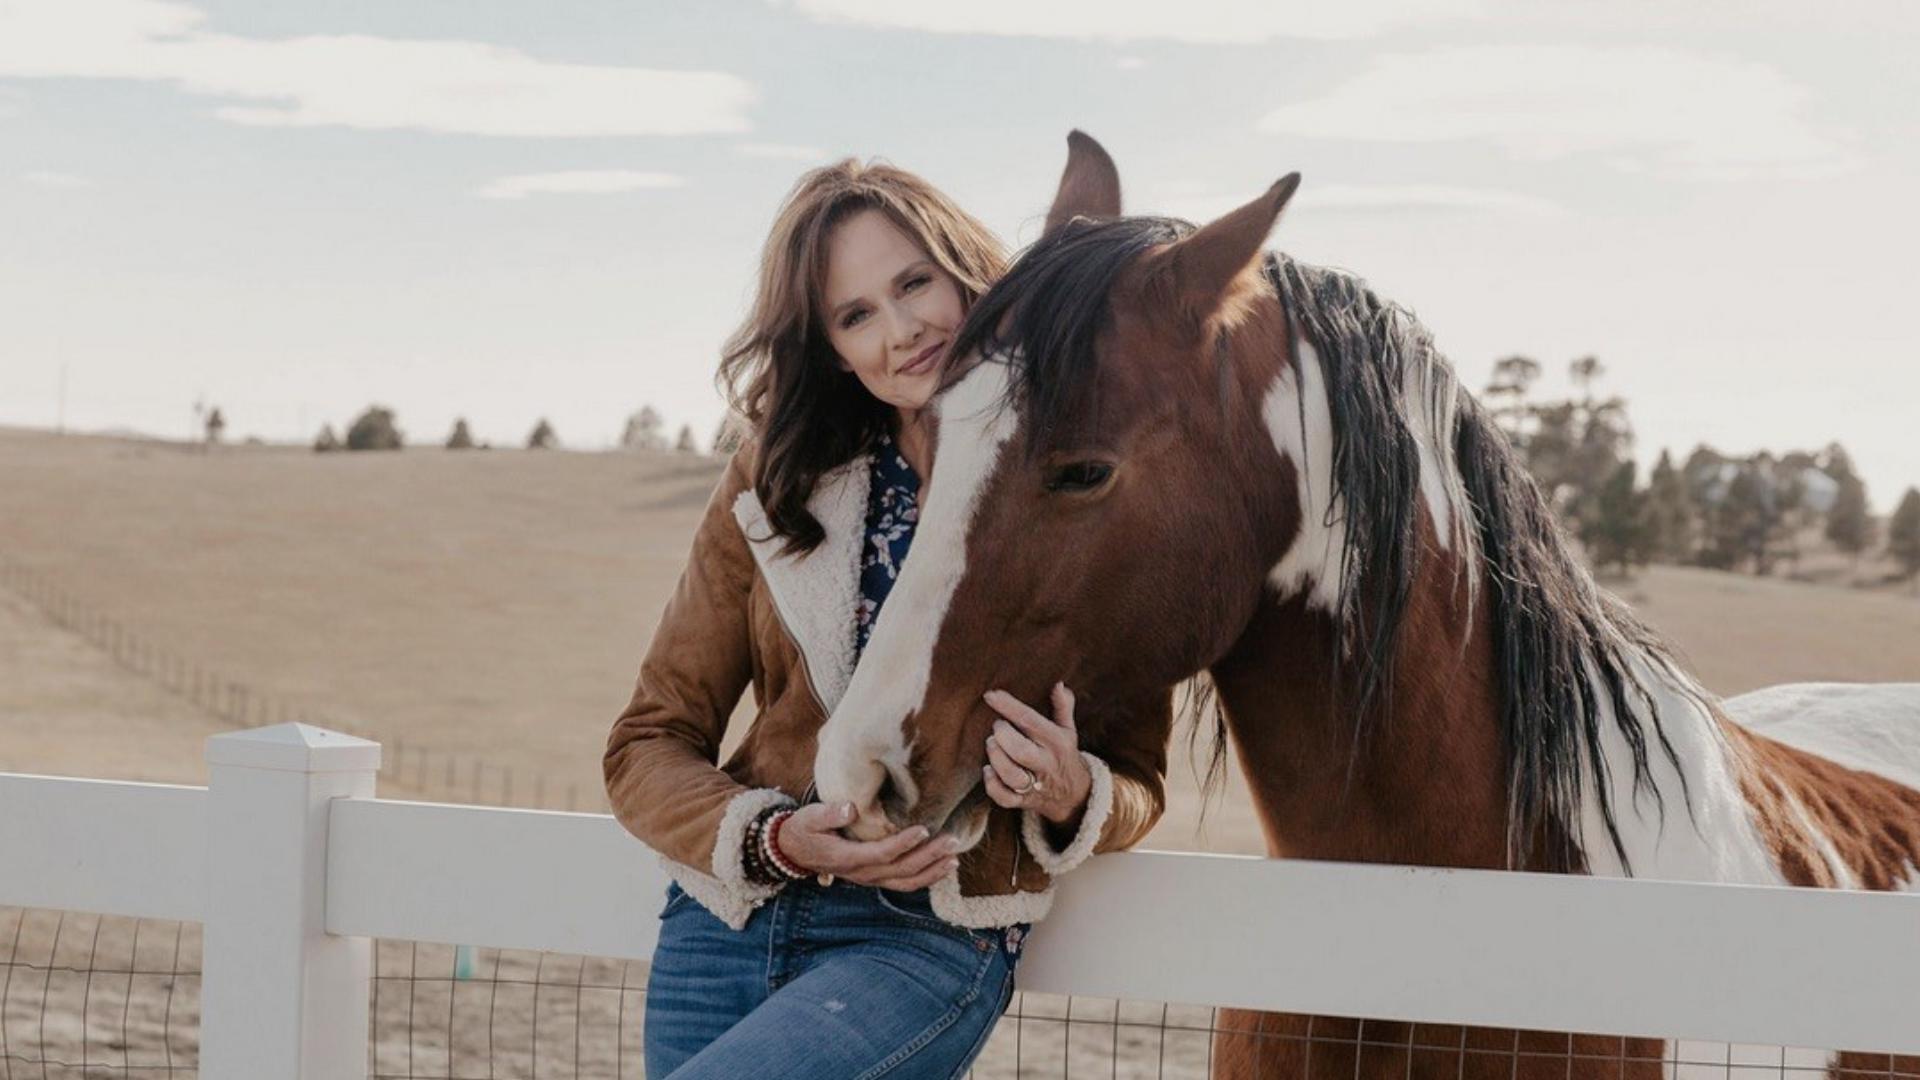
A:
{"x": 482, "y": 614}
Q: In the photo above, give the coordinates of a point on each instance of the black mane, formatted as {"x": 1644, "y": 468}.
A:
{"x": 1552, "y": 626}
{"x": 1047, "y": 313}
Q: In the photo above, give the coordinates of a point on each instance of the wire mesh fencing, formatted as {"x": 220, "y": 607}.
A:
{"x": 86, "y": 996}
{"x": 410, "y": 768}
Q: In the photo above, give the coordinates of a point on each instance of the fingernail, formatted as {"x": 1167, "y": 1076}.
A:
{"x": 952, "y": 865}
{"x": 952, "y": 845}
{"x": 846, "y": 811}
{"x": 920, "y": 834}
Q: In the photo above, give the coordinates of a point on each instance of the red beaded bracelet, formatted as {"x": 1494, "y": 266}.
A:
{"x": 770, "y": 846}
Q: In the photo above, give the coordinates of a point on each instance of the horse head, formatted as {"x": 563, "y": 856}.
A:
{"x": 1106, "y": 506}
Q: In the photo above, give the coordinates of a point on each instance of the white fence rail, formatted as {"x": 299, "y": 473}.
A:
{"x": 293, "y": 868}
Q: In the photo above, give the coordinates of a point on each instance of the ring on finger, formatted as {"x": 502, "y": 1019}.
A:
{"x": 1032, "y": 784}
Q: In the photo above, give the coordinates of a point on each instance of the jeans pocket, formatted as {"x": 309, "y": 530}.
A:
{"x": 916, "y": 908}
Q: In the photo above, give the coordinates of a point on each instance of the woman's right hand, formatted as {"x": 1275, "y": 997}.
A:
{"x": 904, "y": 862}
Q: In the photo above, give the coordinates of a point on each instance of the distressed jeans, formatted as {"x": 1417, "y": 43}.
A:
{"x": 843, "y": 982}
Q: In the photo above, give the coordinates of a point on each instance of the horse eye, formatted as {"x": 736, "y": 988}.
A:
{"x": 1079, "y": 476}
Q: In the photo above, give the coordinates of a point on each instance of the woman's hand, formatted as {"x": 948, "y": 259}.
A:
{"x": 1034, "y": 763}
{"x": 904, "y": 862}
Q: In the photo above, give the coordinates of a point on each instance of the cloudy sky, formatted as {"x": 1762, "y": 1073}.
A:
{"x": 505, "y": 211}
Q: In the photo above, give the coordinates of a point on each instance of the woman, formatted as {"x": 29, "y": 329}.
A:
{"x": 786, "y": 949}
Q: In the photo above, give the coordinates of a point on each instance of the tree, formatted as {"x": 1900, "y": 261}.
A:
{"x": 1506, "y": 394}
{"x": 646, "y": 430}
{"x": 461, "y": 438}
{"x": 543, "y": 437}
{"x": 1617, "y": 532}
{"x": 732, "y": 432}
{"x": 1670, "y": 512}
{"x": 1903, "y": 534}
{"x": 685, "y": 444}
{"x": 327, "y": 441}
{"x": 216, "y": 426}
{"x": 1849, "y": 523}
{"x": 1585, "y": 372}
{"x": 1745, "y": 524}
{"x": 374, "y": 430}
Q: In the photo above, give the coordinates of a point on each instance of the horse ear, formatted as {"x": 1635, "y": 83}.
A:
{"x": 1090, "y": 186}
{"x": 1202, "y": 269}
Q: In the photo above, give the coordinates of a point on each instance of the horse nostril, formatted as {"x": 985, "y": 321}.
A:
{"x": 891, "y": 800}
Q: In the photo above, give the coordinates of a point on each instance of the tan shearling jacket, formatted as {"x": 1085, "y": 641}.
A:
{"x": 746, "y": 614}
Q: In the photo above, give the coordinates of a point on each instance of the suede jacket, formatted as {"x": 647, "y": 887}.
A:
{"x": 745, "y": 613}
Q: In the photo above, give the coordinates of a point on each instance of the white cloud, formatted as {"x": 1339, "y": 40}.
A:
{"x": 577, "y": 182}
{"x": 1203, "y": 202}
{"x": 1647, "y": 109}
{"x": 1212, "y": 22}
{"x": 47, "y": 178}
{"x": 1129, "y": 63}
{"x": 362, "y": 81}
{"x": 780, "y": 151}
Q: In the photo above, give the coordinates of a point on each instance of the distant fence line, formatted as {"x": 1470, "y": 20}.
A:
{"x": 432, "y": 772}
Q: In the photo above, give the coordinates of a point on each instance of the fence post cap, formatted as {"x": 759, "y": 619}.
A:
{"x": 294, "y": 747}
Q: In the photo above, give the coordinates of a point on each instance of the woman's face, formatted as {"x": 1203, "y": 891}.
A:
{"x": 890, "y": 310}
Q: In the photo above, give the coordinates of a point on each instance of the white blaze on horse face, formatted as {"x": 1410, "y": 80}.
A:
{"x": 865, "y": 738}
{"x": 1301, "y": 423}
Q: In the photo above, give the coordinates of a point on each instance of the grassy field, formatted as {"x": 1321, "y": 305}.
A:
{"x": 491, "y": 608}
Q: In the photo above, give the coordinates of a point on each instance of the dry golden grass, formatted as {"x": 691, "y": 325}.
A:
{"x": 494, "y": 605}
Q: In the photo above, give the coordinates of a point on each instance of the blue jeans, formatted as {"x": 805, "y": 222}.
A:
{"x": 844, "y": 982}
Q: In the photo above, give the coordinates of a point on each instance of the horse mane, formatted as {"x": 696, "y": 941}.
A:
{"x": 1568, "y": 657}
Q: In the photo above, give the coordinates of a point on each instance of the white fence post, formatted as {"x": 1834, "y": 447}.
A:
{"x": 280, "y": 997}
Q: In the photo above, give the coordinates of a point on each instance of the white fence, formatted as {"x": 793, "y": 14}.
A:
{"x": 294, "y": 867}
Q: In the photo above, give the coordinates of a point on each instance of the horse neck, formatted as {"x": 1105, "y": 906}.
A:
{"x": 1426, "y": 786}
{"x": 1427, "y": 782}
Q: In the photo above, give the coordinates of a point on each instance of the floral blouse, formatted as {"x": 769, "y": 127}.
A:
{"x": 893, "y": 509}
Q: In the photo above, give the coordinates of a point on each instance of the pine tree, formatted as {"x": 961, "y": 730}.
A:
{"x": 685, "y": 444}
{"x": 1849, "y": 523}
{"x": 542, "y": 437}
{"x": 326, "y": 442}
{"x": 461, "y": 438}
{"x": 646, "y": 430}
{"x": 1744, "y": 524}
{"x": 1617, "y": 531}
{"x": 374, "y": 429}
{"x": 216, "y": 426}
{"x": 1670, "y": 512}
{"x": 1903, "y": 535}
{"x": 1506, "y": 394}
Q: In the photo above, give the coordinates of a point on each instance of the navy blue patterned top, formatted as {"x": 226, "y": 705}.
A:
{"x": 893, "y": 509}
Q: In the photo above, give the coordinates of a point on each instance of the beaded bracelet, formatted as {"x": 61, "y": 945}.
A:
{"x": 763, "y": 862}
{"x": 770, "y": 840}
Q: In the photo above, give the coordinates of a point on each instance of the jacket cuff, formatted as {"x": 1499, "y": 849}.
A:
{"x": 1099, "y": 805}
{"x": 727, "y": 892}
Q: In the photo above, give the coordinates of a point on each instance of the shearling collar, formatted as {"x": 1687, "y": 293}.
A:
{"x": 816, "y": 593}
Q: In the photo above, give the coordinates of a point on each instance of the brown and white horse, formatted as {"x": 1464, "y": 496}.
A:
{"x": 1168, "y": 453}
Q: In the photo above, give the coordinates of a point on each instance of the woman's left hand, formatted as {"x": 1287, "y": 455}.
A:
{"x": 1034, "y": 763}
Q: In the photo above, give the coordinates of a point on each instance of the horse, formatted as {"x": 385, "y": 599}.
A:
{"x": 1163, "y": 452}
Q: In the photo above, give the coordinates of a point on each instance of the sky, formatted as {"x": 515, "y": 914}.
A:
{"x": 509, "y": 211}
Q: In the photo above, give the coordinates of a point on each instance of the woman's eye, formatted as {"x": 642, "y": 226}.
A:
{"x": 852, "y": 319}
{"x": 1079, "y": 476}
{"x": 915, "y": 283}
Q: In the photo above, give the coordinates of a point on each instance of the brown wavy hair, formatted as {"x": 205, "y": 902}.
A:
{"x": 778, "y": 370}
